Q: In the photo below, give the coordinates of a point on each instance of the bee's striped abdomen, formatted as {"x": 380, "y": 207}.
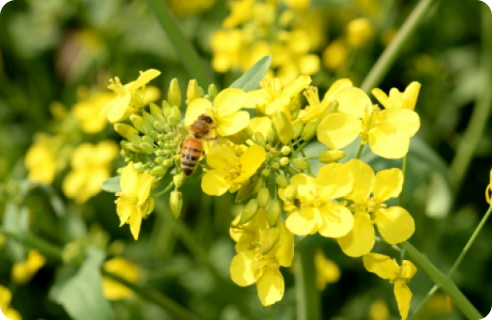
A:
{"x": 192, "y": 150}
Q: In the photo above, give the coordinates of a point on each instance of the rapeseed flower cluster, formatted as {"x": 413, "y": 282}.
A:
{"x": 261, "y": 159}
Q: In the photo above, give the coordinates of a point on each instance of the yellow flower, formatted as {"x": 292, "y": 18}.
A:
{"x": 134, "y": 202}
{"x": 335, "y": 54}
{"x": 388, "y": 131}
{"x": 241, "y": 12}
{"x": 395, "y": 224}
{"x": 5, "y": 297}
{"x": 359, "y": 32}
{"x": 91, "y": 166}
{"x": 250, "y": 265}
{"x": 318, "y": 212}
{"x": 227, "y": 46}
{"x": 127, "y": 270}
{"x": 224, "y": 111}
{"x": 379, "y": 310}
{"x": 40, "y": 159}
{"x": 129, "y": 98}
{"x": 396, "y": 99}
{"x": 87, "y": 109}
{"x": 388, "y": 268}
{"x": 228, "y": 171}
{"x": 489, "y": 190}
{"x": 327, "y": 271}
{"x": 22, "y": 272}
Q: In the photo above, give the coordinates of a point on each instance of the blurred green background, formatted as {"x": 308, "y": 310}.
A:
{"x": 50, "y": 49}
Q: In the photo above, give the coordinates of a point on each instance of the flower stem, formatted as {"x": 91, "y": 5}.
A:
{"x": 381, "y": 67}
{"x": 47, "y": 249}
{"x": 187, "y": 54}
{"x": 308, "y": 304}
{"x": 443, "y": 281}
{"x": 404, "y": 170}
{"x": 469, "y": 142}
{"x": 457, "y": 262}
{"x": 359, "y": 153}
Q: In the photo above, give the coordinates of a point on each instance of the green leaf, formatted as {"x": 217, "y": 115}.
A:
{"x": 16, "y": 220}
{"x": 250, "y": 80}
{"x": 112, "y": 185}
{"x": 80, "y": 292}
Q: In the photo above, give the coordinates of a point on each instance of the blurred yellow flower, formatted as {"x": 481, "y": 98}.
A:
{"x": 130, "y": 97}
{"x": 254, "y": 264}
{"x": 224, "y": 111}
{"x": 127, "y": 270}
{"x": 40, "y": 159}
{"x": 229, "y": 171}
{"x": 22, "y": 272}
{"x": 91, "y": 165}
{"x": 335, "y": 54}
{"x": 388, "y": 268}
{"x": 359, "y": 32}
{"x": 317, "y": 211}
{"x": 379, "y": 310}
{"x": 488, "y": 190}
{"x": 134, "y": 202}
{"x": 241, "y": 12}
{"x": 394, "y": 224}
{"x": 388, "y": 131}
{"x": 327, "y": 271}
{"x": 5, "y": 298}
{"x": 88, "y": 108}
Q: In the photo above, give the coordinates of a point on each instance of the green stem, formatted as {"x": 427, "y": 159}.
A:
{"x": 309, "y": 166}
{"x": 443, "y": 281}
{"x": 469, "y": 142}
{"x": 173, "y": 309}
{"x": 169, "y": 187}
{"x": 381, "y": 67}
{"x": 359, "y": 153}
{"x": 404, "y": 170}
{"x": 457, "y": 262}
{"x": 308, "y": 301}
{"x": 46, "y": 248}
{"x": 303, "y": 240}
{"x": 187, "y": 54}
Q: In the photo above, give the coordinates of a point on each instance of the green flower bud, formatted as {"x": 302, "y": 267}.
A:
{"x": 284, "y": 161}
{"x": 158, "y": 171}
{"x": 274, "y": 211}
{"x": 148, "y": 117}
{"x": 168, "y": 163}
{"x": 137, "y": 122}
{"x": 125, "y": 130}
{"x": 263, "y": 197}
{"x": 298, "y": 126}
{"x": 266, "y": 173}
{"x": 239, "y": 137}
{"x": 248, "y": 188}
{"x": 193, "y": 92}
{"x": 275, "y": 165}
{"x": 284, "y": 127}
{"x": 286, "y": 150}
{"x": 290, "y": 193}
{"x": 271, "y": 136}
{"x": 174, "y": 93}
{"x": 178, "y": 179}
{"x": 166, "y": 108}
{"x": 158, "y": 126}
{"x": 153, "y": 134}
{"x": 146, "y": 147}
{"x": 249, "y": 212}
{"x": 167, "y": 128}
{"x": 282, "y": 181}
{"x": 259, "y": 139}
{"x": 310, "y": 130}
{"x": 135, "y": 139}
{"x": 175, "y": 116}
{"x": 148, "y": 139}
{"x": 160, "y": 153}
{"x": 176, "y": 203}
{"x": 155, "y": 110}
{"x": 160, "y": 160}
{"x": 270, "y": 239}
{"x": 300, "y": 164}
{"x": 329, "y": 156}
{"x": 212, "y": 91}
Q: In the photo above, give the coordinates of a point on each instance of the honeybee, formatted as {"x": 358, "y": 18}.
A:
{"x": 193, "y": 145}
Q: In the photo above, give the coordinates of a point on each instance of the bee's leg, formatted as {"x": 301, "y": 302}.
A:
{"x": 210, "y": 139}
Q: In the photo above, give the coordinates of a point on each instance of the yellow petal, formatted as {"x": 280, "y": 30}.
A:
{"x": 128, "y": 179}
{"x": 381, "y": 96}
{"x": 261, "y": 124}
{"x": 256, "y": 98}
{"x": 233, "y": 123}
{"x": 229, "y": 101}
{"x": 352, "y": 101}
{"x": 410, "y": 95}
{"x": 251, "y": 160}
{"x": 404, "y": 120}
{"x": 403, "y": 298}
{"x": 221, "y": 156}
{"x": 120, "y": 109}
{"x": 335, "y": 180}
{"x": 135, "y": 222}
{"x": 195, "y": 109}
{"x": 295, "y": 87}
{"x": 389, "y": 143}
{"x": 270, "y": 286}
{"x": 142, "y": 187}
{"x": 387, "y": 184}
{"x": 363, "y": 180}
{"x": 303, "y": 222}
{"x": 285, "y": 251}
{"x": 360, "y": 240}
{"x": 124, "y": 212}
{"x": 337, "y": 221}
{"x": 382, "y": 265}
{"x": 338, "y": 130}
{"x": 335, "y": 87}
{"x": 144, "y": 78}
{"x": 242, "y": 271}
{"x": 395, "y": 224}
{"x": 216, "y": 182}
